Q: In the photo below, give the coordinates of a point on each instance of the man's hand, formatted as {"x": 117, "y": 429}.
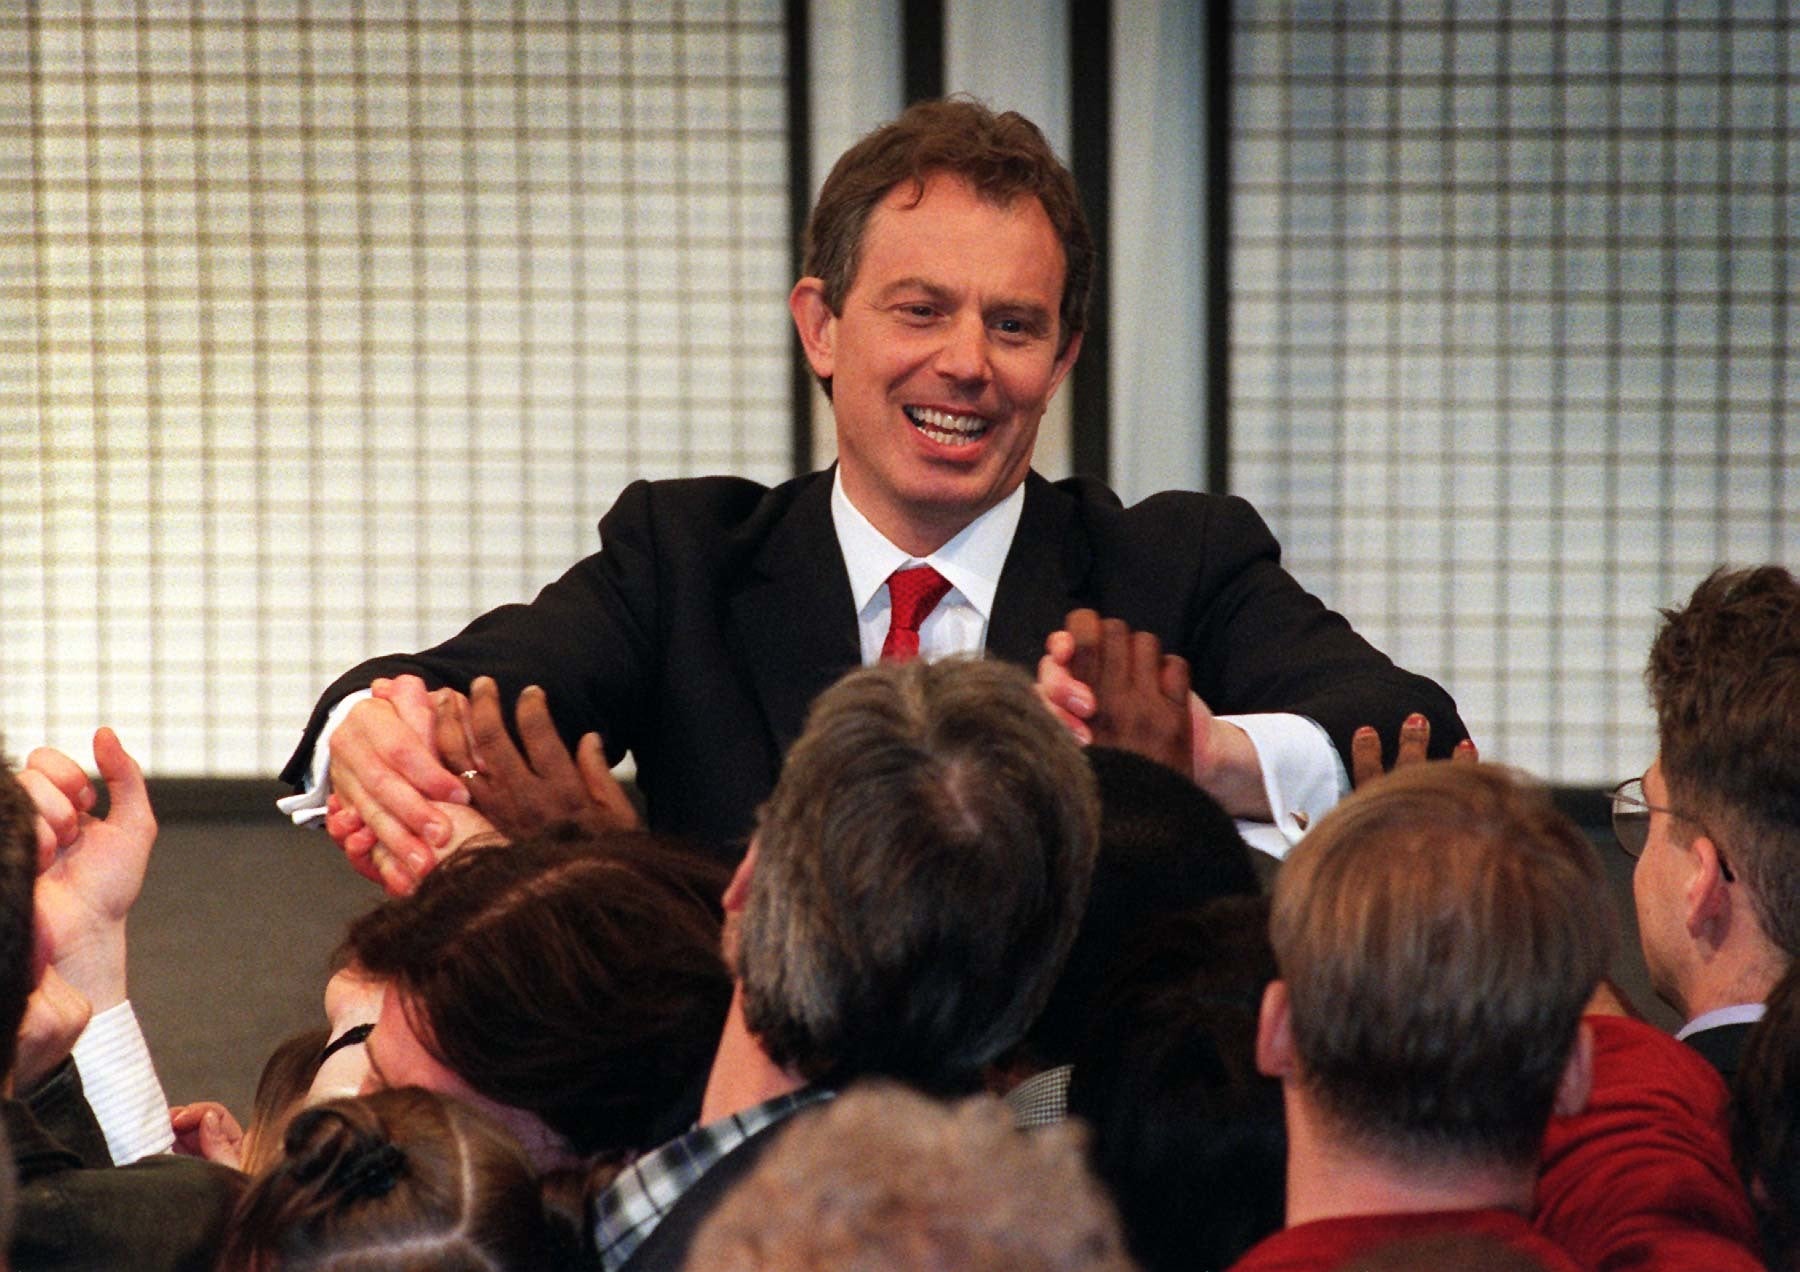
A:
{"x": 89, "y": 871}
{"x": 55, "y": 1015}
{"x": 1415, "y": 737}
{"x": 385, "y": 774}
{"x": 523, "y": 794}
{"x": 1116, "y": 687}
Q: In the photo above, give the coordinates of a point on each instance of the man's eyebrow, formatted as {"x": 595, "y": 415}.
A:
{"x": 913, "y": 283}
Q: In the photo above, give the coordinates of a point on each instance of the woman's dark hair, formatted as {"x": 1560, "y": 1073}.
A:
{"x": 573, "y": 976}
{"x": 396, "y": 1180}
{"x": 1188, "y": 1136}
{"x": 1765, "y": 1122}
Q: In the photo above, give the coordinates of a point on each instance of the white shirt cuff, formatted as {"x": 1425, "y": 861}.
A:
{"x": 1303, "y": 776}
{"x": 308, "y": 807}
{"x": 122, "y": 1087}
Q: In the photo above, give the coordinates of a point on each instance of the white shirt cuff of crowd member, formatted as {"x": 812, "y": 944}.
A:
{"x": 1303, "y": 776}
{"x": 121, "y": 1086}
{"x": 308, "y": 806}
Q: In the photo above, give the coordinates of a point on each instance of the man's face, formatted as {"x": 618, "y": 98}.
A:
{"x": 943, "y": 358}
{"x": 1659, "y": 884}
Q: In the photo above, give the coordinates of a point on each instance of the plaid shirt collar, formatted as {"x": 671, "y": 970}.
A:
{"x": 629, "y": 1210}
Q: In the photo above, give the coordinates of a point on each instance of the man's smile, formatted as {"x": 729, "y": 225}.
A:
{"x": 948, "y": 428}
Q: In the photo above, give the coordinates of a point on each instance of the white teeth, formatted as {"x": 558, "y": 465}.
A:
{"x": 942, "y": 426}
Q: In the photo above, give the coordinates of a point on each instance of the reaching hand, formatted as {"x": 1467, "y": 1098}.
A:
{"x": 207, "y": 1129}
{"x": 524, "y": 794}
{"x": 1140, "y": 694}
{"x": 1115, "y": 687}
{"x": 385, "y": 773}
{"x": 1415, "y": 738}
{"x": 94, "y": 869}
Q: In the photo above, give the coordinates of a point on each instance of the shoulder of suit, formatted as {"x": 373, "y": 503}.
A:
{"x": 1096, "y": 500}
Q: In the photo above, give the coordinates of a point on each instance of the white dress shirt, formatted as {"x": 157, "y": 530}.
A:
{"x": 1303, "y": 775}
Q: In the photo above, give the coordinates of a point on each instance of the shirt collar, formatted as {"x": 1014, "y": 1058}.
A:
{"x": 1735, "y": 1014}
{"x": 971, "y": 561}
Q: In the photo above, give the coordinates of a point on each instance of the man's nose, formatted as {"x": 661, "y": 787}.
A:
{"x": 963, "y": 357}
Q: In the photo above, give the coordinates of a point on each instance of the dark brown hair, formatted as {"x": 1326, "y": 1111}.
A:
{"x": 1440, "y": 932}
{"x": 395, "y": 1180}
{"x": 1002, "y": 157}
{"x": 575, "y": 977}
{"x": 1765, "y": 1122}
{"x": 1724, "y": 675}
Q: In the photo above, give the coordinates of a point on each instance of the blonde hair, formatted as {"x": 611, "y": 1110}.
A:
{"x": 886, "y": 1180}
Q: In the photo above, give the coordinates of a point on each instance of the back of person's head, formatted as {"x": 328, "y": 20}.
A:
{"x": 1165, "y": 846}
{"x": 1003, "y": 157}
{"x": 1439, "y": 934}
{"x": 918, "y": 876}
{"x": 1188, "y": 1135}
{"x": 1765, "y": 1122}
{"x": 397, "y": 1180}
{"x": 577, "y": 978}
{"x": 18, "y": 876}
{"x": 286, "y": 1077}
{"x": 885, "y": 1180}
{"x": 1724, "y": 675}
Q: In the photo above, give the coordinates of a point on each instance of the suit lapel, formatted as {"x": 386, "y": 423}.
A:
{"x": 1044, "y": 577}
{"x": 789, "y": 616}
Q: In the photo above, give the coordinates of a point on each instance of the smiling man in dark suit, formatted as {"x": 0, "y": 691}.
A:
{"x": 948, "y": 268}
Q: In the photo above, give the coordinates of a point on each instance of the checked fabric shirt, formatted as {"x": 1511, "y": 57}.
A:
{"x": 629, "y": 1210}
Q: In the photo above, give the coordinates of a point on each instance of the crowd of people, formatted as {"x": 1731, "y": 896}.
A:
{"x": 1020, "y": 881}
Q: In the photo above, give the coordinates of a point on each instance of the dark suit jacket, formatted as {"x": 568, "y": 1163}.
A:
{"x": 76, "y": 1210}
{"x": 1722, "y": 1045}
{"x": 717, "y": 609}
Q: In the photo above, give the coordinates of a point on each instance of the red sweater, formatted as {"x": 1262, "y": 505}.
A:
{"x": 1325, "y": 1244}
{"x": 1642, "y": 1178}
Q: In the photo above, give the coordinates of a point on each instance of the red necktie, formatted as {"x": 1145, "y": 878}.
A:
{"x": 914, "y": 593}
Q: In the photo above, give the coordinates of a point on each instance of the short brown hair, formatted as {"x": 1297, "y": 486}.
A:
{"x": 921, "y": 867}
{"x": 1724, "y": 675}
{"x": 884, "y": 1180}
{"x": 1440, "y": 933}
{"x": 1002, "y": 157}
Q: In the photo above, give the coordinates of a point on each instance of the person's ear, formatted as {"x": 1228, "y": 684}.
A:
{"x": 1577, "y": 1081}
{"x": 1064, "y": 362}
{"x": 1708, "y": 900}
{"x": 737, "y": 892}
{"x": 816, "y": 325}
{"x": 1275, "y": 1032}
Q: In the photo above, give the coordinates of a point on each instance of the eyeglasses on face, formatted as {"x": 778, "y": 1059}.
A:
{"x": 1631, "y": 821}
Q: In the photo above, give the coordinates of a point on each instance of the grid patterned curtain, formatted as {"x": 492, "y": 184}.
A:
{"x": 1511, "y": 315}
{"x": 328, "y": 325}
